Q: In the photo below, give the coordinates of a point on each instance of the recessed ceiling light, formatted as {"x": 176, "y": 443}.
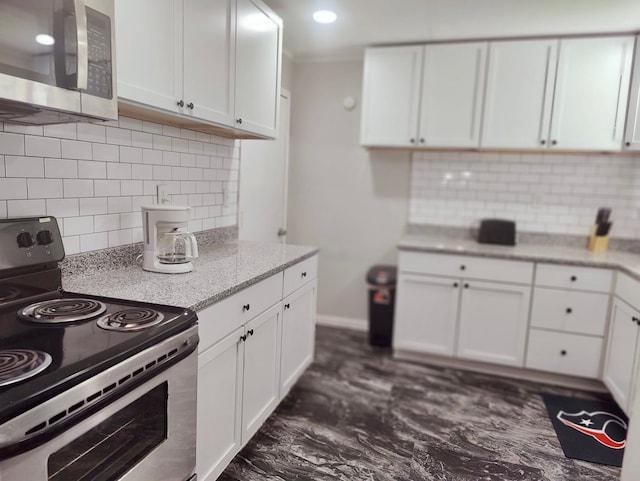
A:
{"x": 44, "y": 39}
{"x": 325, "y": 16}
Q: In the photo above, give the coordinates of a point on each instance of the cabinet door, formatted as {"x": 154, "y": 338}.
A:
{"x": 219, "y": 405}
{"x": 426, "y": 312}
{"x": 298, "y": 334}
{"x": 592, "y": 87}
{"x": 209, "y": 45}
{"x": 149, "y": 52}
{"x": 493, "y": 322}
{"x": 632, "y": 134}
{"x": 261, "y": 370}
{"x": 621, "y": 353}
{"x": 258, "y": 57}
{"x": 391, "y": 96}
{"x": 519, "y": 94}
{"x": 452, "y": 90}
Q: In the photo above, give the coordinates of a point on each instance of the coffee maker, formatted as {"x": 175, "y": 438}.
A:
{"x": 168, "y": 246}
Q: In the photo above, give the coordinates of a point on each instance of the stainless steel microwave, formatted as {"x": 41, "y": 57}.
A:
{"x": 57, "y": 61}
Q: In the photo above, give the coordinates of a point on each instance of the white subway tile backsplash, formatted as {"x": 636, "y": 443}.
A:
{"x": 118, "y": 136}
{"x": 557, "y": 193}
{"x": 61, "y": 131}
{"x": 118, "y": 171}
{"x": 44, "y": 188}
{"x": 92, "y": 242}
{"x": 13, "y": 188}
{"x": 20, "y": 208}
{"x": 118, "y": 205}
{"x": 61, "y": 168}
{"x": 93, "y": 206}
{"x": 88, "y": 169}
{"x": 35, "y": 146}
{"x": 76, "y": 149}
{"x": 11, "y": 144}
{"x": 96, "y": 177}
{"x": 106, "y": 188}
{"x": 23, "y": 166}
{"x": 78, "y": 225}
{"x": 107, "y": 222}
{"x": 23, "y": 129}
{"x": 131, "y": 155}
{"x": 63, "y": 207}
{"x": 78, "y": 187}
{"x": 92, "y": 133}
{"x": 108, "y": 153}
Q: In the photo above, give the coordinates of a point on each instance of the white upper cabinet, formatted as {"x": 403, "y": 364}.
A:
{"x": 591, "y": 91}
{"x": 216, "y": 62}
{"x": 391, "y": 96}
{"x": 452, "y": 90}
{"x": 258, "y": 64}
{"x": 209, "y": 43}
{"x": 632, "y": 133}
{"x": 150, "y": 52}
{"x": 517, "y": 107}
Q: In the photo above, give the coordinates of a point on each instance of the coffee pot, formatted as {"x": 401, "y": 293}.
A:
{"x": 176, "y": 247}
{"x": 168, "y": 246}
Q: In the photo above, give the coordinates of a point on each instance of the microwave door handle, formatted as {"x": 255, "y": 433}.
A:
{"x": 83, "y": 45}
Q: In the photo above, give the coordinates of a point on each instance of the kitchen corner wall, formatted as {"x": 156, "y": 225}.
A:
{"x": 350, "y": 202}
{"x": 551, "y": 193}
{"x": 95, "y": 177}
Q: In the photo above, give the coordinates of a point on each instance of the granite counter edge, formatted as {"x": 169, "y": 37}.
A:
{"x": 603, "y": 264}
{"x": 218, "y": 296}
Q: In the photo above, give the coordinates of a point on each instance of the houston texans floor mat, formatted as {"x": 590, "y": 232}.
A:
{"x": 589, "y": 430}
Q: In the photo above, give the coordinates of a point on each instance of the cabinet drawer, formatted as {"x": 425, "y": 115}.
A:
{"x": 217, "y": 321}
{"x": 628, "y": 289}
{"x": 298, "y": 275}
{"x": 562, "y": 353}
{"x": 570, "y": 277}
{"x": 573, "y": 311}
{"x": 468, "y": 267}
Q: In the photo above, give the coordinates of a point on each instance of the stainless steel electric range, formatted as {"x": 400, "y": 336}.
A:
{"x": 91, "y": 388}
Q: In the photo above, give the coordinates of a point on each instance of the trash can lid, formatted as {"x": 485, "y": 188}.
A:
{"x": 382, "y": 275}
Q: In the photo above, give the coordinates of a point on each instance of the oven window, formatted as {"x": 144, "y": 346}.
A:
{"x": 115, "y": 445}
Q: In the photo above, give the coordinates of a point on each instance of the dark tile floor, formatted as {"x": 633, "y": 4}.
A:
{"x": 357, "y": 414}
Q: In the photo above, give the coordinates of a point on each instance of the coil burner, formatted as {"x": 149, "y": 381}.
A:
{"x": 19, "y": 364}
{"x": 131, "y": 320}
{"x": 58, "y": 311}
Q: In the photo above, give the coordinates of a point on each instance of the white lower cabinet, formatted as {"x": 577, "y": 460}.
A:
{"x": 252, "y": 350}
{"x": 220, "y": 382}
{"x": 620, "y": 363}
{"x": 260, "y": 393}
{"x": 493, "y": 322}
{"x": 564, "y": 353}
{"x": 426, "y": 311}
{"x": 472, "y": 317}
{"x": 298, "y": 334}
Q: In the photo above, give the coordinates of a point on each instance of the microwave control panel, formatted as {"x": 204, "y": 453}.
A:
{"x": 100, "y": 81}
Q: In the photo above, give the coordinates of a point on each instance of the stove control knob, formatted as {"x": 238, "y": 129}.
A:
{"x": 25, "y": 239}
{"x": 44, "y": 237}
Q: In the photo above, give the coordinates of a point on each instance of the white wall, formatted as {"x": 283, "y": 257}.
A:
{"x": 95, "y": 177}
{"x": 351, "y": 203}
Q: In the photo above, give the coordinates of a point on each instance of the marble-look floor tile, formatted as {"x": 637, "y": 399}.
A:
{"x": 359, "y": 415}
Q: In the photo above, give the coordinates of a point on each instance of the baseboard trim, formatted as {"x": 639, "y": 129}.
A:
{"x": 345, "y": 322}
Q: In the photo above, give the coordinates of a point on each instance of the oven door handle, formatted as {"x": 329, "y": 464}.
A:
{"x": 82, "y": 38}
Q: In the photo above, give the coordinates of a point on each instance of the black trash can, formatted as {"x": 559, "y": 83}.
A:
{"x": 382, "y": 294}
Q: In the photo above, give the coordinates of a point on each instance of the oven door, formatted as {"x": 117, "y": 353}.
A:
{"x": 146, "y": 435}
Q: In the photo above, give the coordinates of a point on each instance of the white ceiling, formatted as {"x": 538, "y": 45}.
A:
{"x": 367, "y": 22}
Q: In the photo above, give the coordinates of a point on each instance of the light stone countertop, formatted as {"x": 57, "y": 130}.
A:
{"x": 626, "y": 262}
{"x": 220, "y": 271}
